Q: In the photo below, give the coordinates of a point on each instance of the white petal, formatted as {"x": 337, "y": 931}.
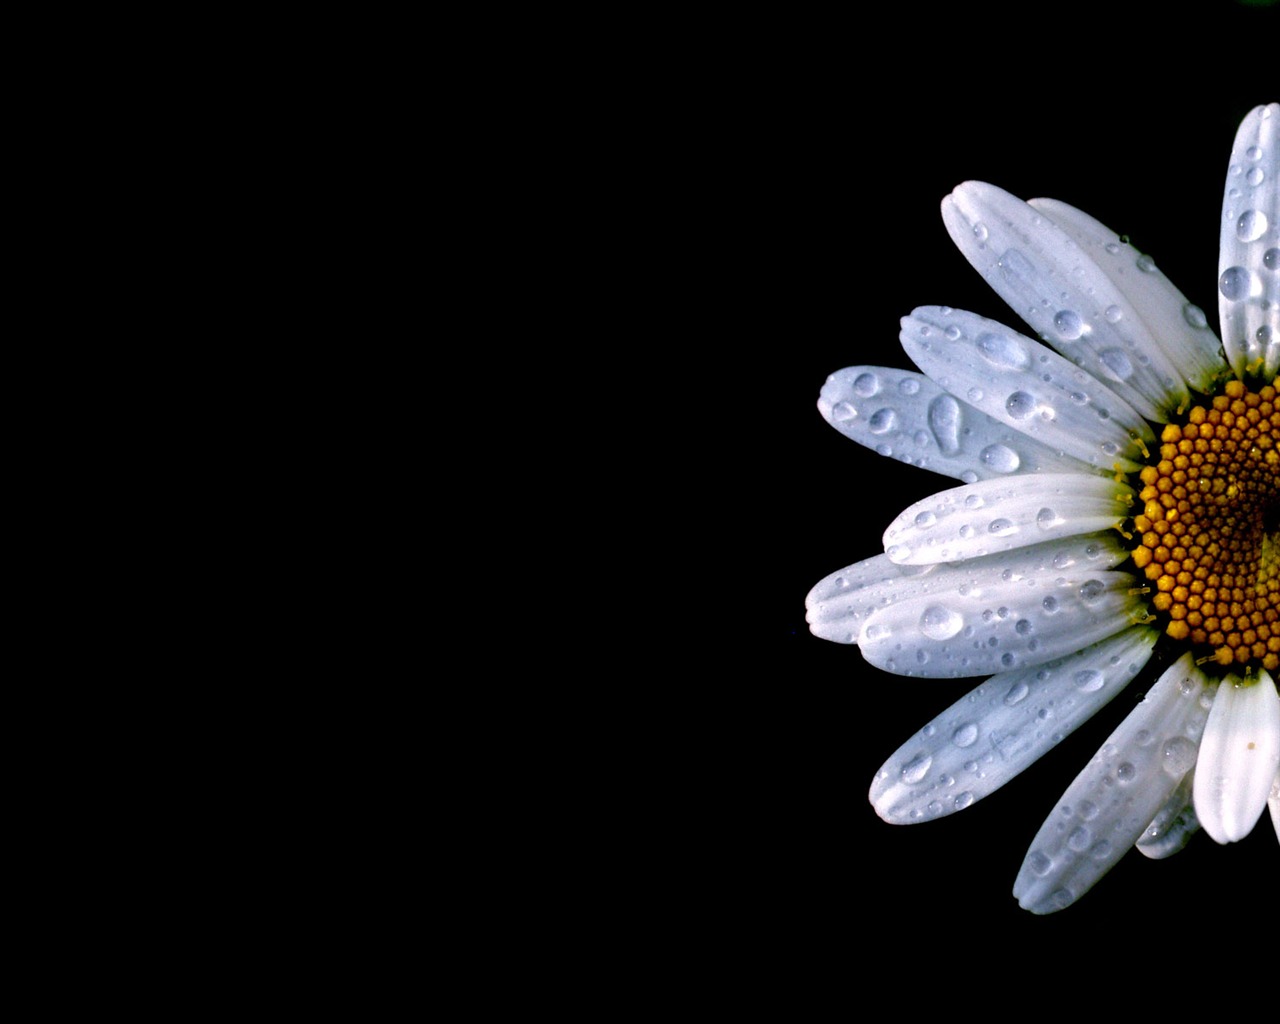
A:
{"x": 1025, "y": 386}
{"x": 1001, "y": 515}
{"x": 1239, "y": 757}
{"x": 1174, "y": 824}
{"x": 1111, "y": 802}
{"x": 1170, "y": 321}
{"x": 1053, "y": 284}
{"x": 1249, "y": 252}
{"x": 989, "y": 736}
{"x": 841, "y": 602}
{"x": 908, "y": 417}
{"x": 1273, "y": 802}
{"x": 1009, "y": 624}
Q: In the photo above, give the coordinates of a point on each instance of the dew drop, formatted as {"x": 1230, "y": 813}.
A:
{"x": 963, "y": 800}
{"x": 1091, "y": 590}
{"x": 1114, "y": 314}
{"x": 866, "y": 384}
{"x": 1251, "y": 226}
{"x": 1179, "y": 756}
{"x": 999, "y": 458}
{"x": 966, "y": 531}
{"x": 1050, "y": 604}
{"x": 908, "y": 385}
{"x": 973, "y": 501}
{"x": 1003, "y": 351}
{"x": 1020, "y": 405}
{"x": 940, "y": 623}
{"x": 842, "y": 412}
{"x": 1194, "y": 315}
{"x": 974, "y": 395}
{"x": 1047, "y": 519}
{"x": 1079, "y": 839}
{"x": 1022, "y": 627}
{"x": 1117, "y": 362}
{"x": 944, "y": 422}
{"x": 916, "y": 769}
{"x": 1126, "y": 772}
{"x": 1039, "y": 863}
{"x": 1001, "y": 527}
{"x": 1271, "y": 260}
{"x": 1255, "y": 176}
{"x": 965, "y": 736}
{"x": 1089, "y": 680}
{"x": 1017, "y": 693}
{"x": 882, "y": 421}
{"x": 953, "y": 333}
{"x": 1146, "y": 264}
{"x": 1087, "y": 810}
{"x": 1254, "y": 153}
{"x": 925, "y": 520}
{"x": 1069, "y": 324}
{"x": 1113, "y": 248}
{"x": 980, "y": 232}
{"x": 1234, "y": 283}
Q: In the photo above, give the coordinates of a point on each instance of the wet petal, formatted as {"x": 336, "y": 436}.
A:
{"x": 841, "y": 602}
{"x": 992, "y": 734}
{"x": 1249, "y": 251}
{"x": 1004, "y": 625}
{"x": 1171, "y": 322}
{"x": 1111, "y": 802}
{"x": 906, "y": 416}
{"x": 1174, "y": 824}
{"x": 1051, "y": 282}
{"x": 1025, "y": 386}
{"x": 1000, "y": 515}
{"x": 1239, "y": 757}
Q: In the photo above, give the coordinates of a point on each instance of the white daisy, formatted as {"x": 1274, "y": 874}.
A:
{"x": 1120, "y": 487}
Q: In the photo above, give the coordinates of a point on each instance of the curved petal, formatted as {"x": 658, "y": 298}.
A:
{"x": 1177, "y": 326}
{"x": 991, "y": 735}
{"x": 1111, "y": 802}
{"x": 1051, "y": 283}
{"x": 1025, "y": 386}
{"x": 1001, "y": 515}
{"x": 1239, "y": 757}
{"x": 1007, "y": 625}
{"x": 906, "y": 416}
{"x": 1174, "y": 824}
{"x": 840, "y": 603}
{"x": 1249, "y": 252}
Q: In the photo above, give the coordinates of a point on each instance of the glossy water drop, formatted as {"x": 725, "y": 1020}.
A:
{"x": 1146, "y": 264}
{"x": 1003, "y": 351}
{"x": 1047, "y": 519}
{"x": 1234, "y": 283}
{"x": 1194, "y": 315}
{"x": 1017, "y": 693}
{"x": 963, "y": 800}
{"x": 1020, "y": 405}
{"x": 1113, "y": 248}
{"x": 1039, "y": 863}
{"x": 1271, "y": 260}
{"x": 1089, "y": 680}
{"x": 842, "y": 412}
{"x": 1079, "y": 839}
{"x": 944, "y": 418}
{"x": 965, "y": 735}
{"x": 953, "y": 333}
{"x": 1069, "y": 324}
{"x": 882, "y": 421}
{"x": 999, "y": 458}
{"x": 1050, "y": 604}
{"x": 1126, "y": 772}
{"x": 866, "y": 384}
{"x": 1091, "y": 590}
{"x": 980, "y": 232}
{"x": 1114, "y": 314}
{"x": 916, "y": 769}
{"x": 1179, "y": 756}
{"x": 1117, "y": 362}
{"x": 908, "y": 385}
{"x": 1001, "y": 527}
{"x": 925, "y": 520}
{"x": 1251, "y": 226}
{"x": 1255, "y": 176}
{"x": 940, "y": 623}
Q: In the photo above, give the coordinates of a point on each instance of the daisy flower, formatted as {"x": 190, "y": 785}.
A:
{"x": 1117, "y": 511}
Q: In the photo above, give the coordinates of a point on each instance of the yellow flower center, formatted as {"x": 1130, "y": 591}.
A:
{"x": 1207, "y": 534}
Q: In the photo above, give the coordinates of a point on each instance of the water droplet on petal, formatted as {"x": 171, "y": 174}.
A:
{"x": 1050, "y": 604}
{"x": 842, "y": 412}
{"x": 1079, "y": 839}
{"x": 1114, "y": 314}
{"x": 1117, "y": 362}
{"x": 1069, "y": 324}
{"x": 1001, "y": 527}
{"x": 963, "y": 800}
{"x": 1255, "y": 176}
{"x": 908, "y": 385}
{"x": 1000, "y": 458}
{"x": 1047, "y": 519}
{"x": 1251, "y": 226}
{"x": 1146, "y": 264}
{"x": 882, "y": 421}
{"x": 944, "y": 421}
{"x": 1126, "y": 772}
{"x": 965, "y": 735}
{"x": 916, "y": 769}
{"x": 940, "y": 623}
{"x": 1091, "y": 590}
{"x": 1003, "y": 351}
{"x": 1271, "y": 260}
{"x": 980, "y": 231}
{"x": 1020, "y": 405}
{"x": 1179, "y": 756}
{"x": 1039, "y": 863}
{"x": 1017, "y": 693}
{"x": 925, "y": 520}
{"x": 1089, "y": 680}
{"x": 1194, "y": 315}
{"x": 1234, "y": 283}
{"x": 866, "y": 384}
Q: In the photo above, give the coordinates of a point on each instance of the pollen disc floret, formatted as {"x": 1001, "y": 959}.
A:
{"x": 1207, "y": 536}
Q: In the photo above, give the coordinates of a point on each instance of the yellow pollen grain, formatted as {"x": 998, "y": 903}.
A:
{"x": 1206, "y": 531}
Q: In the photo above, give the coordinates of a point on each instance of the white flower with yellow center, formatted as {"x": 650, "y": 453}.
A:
{"x": 1121, "y": 483}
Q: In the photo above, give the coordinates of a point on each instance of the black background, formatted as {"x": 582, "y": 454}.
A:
{"x": 846, "y": 147}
